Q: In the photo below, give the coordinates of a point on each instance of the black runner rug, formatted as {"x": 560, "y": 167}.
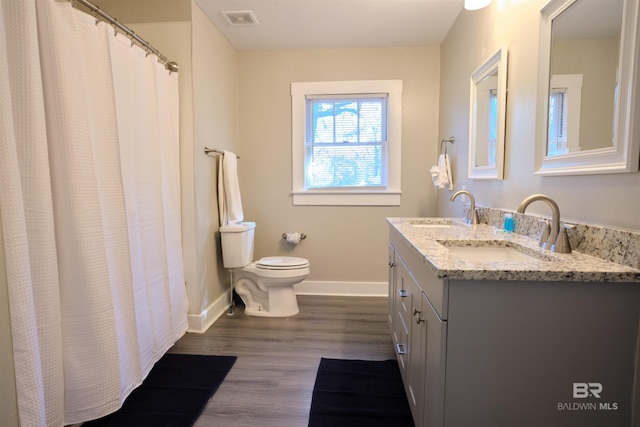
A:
{"x": 174, "y": 393}
{"x": 359, "y": 393}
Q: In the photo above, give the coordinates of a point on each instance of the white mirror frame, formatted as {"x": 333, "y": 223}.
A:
{"x": 623, "y": 156}
{"x": 498, "y": 61}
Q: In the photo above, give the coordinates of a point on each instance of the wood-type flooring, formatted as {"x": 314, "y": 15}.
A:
{"x": 271, "y": 383}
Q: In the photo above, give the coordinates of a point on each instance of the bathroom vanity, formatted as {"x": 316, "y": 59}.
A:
{"x": 492, "y": 330}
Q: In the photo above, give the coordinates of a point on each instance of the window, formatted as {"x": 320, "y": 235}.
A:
{"x": 565, "y": 96}
{"x": 557, "y": 142}
{"x": 346, "y": 143}
{"x": 492, "y": 153}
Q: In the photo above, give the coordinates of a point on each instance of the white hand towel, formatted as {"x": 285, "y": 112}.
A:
{"x": 441, "y": 174}
{"x": 229, "y": 200}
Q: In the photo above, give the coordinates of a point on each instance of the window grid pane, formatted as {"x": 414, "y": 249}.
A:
{"x": 345, "y": 143}
{"x": 557, "y": 138}
{"x": 345, "y": 166}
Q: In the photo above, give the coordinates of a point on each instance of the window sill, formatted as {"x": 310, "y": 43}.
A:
{"x": 344, "y": 198}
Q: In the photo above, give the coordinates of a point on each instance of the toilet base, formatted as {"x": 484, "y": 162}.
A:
{"x": 268, "y": 292}
{"x": 282, "y": 303}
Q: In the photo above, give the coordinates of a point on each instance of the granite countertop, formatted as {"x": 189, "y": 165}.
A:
{"x": 430, "y": 238}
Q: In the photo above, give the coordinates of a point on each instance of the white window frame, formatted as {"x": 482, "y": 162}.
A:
{"x": 389, "y": 196}
{"x": 571, "y": 84}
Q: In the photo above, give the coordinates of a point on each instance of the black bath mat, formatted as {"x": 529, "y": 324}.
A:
{"x": 359, "y": 393}
{"x": 174, "y": 393}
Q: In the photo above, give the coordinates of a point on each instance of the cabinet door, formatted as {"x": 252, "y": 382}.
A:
{"x": 416, "y": 355}
{"x": 434, "y": 351}
{"x": 397, "y": 324}
{"x": 402, "y": 325}
{"x": 392, "y": 288}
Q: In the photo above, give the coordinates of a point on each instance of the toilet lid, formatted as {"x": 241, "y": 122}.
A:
{"x": 282, "y": 262}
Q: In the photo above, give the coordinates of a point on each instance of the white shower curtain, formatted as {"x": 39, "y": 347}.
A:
{"x": 89, "y": 205}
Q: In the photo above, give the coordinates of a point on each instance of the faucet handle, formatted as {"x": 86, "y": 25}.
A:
{"x": 546, "y": 232}
{"x": 562, "y": 244}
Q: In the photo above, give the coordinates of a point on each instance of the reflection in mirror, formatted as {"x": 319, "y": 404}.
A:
{"x": 584, "y": 62}
{"x": 487, "y": 118}
{"x": 588, "y": 64}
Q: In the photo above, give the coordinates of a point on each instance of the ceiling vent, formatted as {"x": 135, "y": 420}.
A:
{"x": 240, "y": 17}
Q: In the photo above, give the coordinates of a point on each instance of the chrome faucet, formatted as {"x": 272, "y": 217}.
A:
{"x": 558, "y": 240}
{"x": 472, "y": 214}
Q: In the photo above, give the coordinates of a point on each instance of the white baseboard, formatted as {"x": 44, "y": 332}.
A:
{"x": 199, "y": 323}
{"x": 360, "y": 289}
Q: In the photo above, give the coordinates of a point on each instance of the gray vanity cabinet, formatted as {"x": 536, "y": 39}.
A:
{"x": 513, "y": 353}
{"x": 419, "y": 336}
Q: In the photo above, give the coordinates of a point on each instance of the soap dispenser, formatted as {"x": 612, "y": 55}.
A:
{"x": 508, "y": 222}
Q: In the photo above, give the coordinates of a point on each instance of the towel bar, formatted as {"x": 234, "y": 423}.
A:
{"x": 208, "y": 150}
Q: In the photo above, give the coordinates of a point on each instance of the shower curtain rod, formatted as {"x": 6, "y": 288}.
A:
{"x": 169, "y": 65}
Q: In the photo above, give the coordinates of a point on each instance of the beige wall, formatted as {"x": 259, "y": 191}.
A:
{"x": 609, "y": 199}
{"x": 215, "y": 121}
{"x": 344, "y": 243}
{"x": 151, "y": 11}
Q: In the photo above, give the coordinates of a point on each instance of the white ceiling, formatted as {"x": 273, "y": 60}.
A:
{"x": 315, "y": 24}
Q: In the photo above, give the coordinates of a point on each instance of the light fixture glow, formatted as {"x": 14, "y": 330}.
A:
{"x": 475, "y": 4}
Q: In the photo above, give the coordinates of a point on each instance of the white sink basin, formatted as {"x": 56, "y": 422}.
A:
{"x": 489, "y": 252}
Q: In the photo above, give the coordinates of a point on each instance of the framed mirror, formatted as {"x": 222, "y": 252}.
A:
{"x": 588, "y": 90}
{"x": 487, "y": 118}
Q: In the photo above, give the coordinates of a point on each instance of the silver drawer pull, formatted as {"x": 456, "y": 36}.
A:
{"x": 400, "y": 349}
{"x": 403, "y": 293}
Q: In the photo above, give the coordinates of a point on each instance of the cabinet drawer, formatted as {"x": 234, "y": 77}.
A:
{"x": 407, "y": 293}
{"x": 401, "y": 338}
{"x": 436, "y": 290}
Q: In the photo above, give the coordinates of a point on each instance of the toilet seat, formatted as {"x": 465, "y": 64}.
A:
{"x": 282, "y": 263}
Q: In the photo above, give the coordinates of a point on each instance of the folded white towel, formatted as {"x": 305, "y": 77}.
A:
{"x": 229, "y": 200}
{"x": 441, "y": 174}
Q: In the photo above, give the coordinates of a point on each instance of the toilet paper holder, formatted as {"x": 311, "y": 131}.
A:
{"x": 302, "y": 236}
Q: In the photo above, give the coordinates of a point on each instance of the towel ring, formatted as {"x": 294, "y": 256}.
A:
{"x": 445, "y": 141}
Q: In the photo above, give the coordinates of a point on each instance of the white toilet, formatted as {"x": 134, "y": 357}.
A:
{"x": 266, "y": 285}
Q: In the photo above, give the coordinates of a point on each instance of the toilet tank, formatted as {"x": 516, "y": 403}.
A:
{"x": 237, "y": 244}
